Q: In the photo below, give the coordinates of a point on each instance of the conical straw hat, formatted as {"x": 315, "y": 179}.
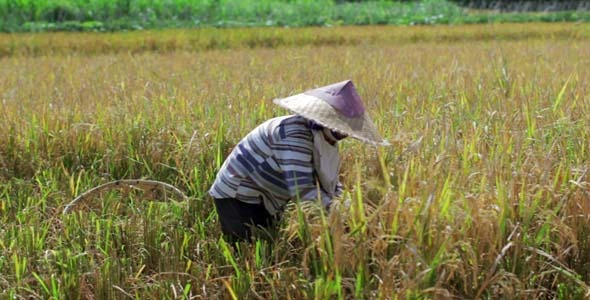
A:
{"x": 338, "y": 107}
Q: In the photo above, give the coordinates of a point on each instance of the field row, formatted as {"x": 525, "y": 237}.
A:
{"x": 212, "y": 39}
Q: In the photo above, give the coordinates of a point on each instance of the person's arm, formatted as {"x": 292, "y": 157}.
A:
{"x": 293, "y": 154}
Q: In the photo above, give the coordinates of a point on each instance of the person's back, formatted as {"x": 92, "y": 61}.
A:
{"x": 271, "y": 165}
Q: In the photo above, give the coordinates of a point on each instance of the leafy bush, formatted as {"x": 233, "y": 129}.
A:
{"x": 35, "y": 15}
{"x": 60, "y": 11}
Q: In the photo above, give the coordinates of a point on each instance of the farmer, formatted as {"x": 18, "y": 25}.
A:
{"x": 290, "y": 157}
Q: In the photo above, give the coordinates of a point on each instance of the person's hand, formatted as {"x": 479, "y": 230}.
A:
{"x": 346, "y": 203}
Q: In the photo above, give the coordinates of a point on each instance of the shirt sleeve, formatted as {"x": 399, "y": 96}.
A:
{"x": 339, "y": 189}
{"x": 293, "y": 153}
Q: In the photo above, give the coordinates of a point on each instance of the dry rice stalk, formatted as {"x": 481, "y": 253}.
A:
{"x": 127, "y": 185}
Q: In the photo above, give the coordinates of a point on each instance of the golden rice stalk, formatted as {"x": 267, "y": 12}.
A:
{"x": 155, "y": 188}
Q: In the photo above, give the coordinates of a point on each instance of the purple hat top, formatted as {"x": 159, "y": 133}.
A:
{"x": 342, "y": 96}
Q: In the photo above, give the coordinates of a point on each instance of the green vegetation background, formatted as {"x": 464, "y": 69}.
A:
{"x": 112, "y": 15}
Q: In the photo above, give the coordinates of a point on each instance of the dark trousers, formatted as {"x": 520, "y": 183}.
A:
{"x": 238, "y": 218}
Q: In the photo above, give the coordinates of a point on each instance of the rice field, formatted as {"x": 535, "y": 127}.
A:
{"x": 484, "y": 193}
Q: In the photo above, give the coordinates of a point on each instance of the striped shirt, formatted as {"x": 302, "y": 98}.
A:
{"x": 272, "y": 164}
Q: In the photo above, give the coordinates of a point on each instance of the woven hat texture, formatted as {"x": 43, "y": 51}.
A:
{"x": 338, "y": 107}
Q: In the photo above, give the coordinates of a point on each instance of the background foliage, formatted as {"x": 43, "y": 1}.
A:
{"x": 108, "y": 15}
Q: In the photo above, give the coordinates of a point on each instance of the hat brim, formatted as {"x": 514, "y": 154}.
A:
{"x": 321, "y": 112}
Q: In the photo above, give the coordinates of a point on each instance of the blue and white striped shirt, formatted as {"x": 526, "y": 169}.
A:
{"x": 272, "y": 164}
